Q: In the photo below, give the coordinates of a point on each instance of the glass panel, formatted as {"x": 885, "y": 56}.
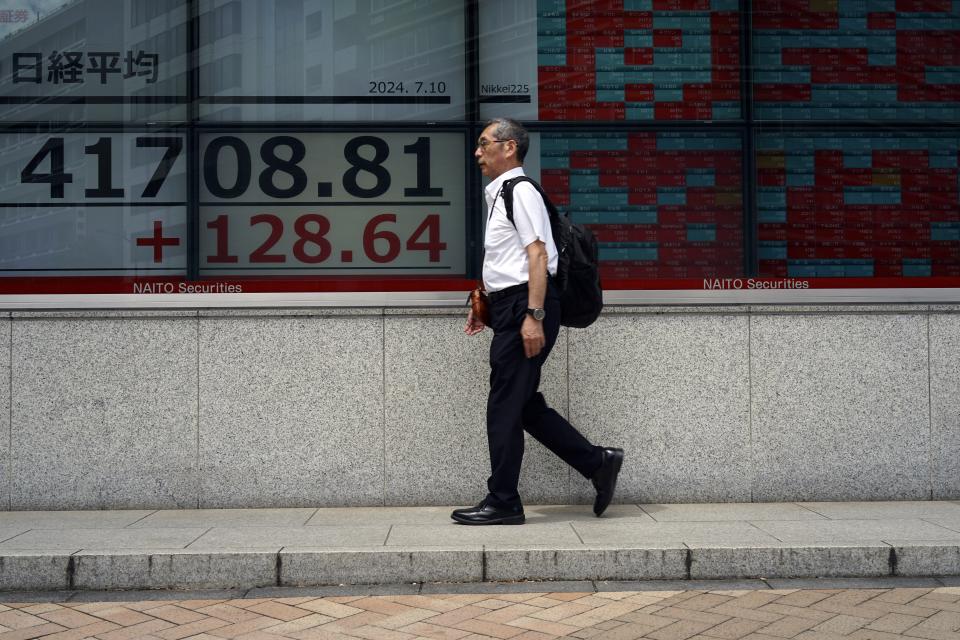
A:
{"x": 365, "y": 203}
{"x": 664, "y": 205}
{"x": 94, "y": 61}
{"x": 368, "y": 208}
{"x": 858, "y": 205}
{"x": 92, "y": 204}
{"x": 857, "y": 60}
{"x": 296, "y": 60}
{"x": 584, "y": 60}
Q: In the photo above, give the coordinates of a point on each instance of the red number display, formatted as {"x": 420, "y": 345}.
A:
{"x": 381, "y": 242}
{"x": 316, "y": 238}
{"x": 371, "y": 235}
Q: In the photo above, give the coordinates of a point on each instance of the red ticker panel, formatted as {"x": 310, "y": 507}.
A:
{"x": 638, "y": 60}
{"x": 853, "y": 60}
{"x": 858, "y": 205}
{"x": 624, "y": 60}
{"x": 663, "y": 205}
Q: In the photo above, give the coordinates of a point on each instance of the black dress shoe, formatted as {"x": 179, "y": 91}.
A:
{"x": 605, "y": 479}
{"x": 484, "y": 513}
{"x": 460, "y": 512}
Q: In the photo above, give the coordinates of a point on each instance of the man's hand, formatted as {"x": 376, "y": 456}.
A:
{"x": 533, "y": 337}
{"x": 474, "y": 326}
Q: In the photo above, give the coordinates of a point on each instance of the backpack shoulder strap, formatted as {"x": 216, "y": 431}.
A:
{"x": 507, "y": 194}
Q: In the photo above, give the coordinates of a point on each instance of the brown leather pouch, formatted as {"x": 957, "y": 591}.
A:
{"x": 480, "y": 305}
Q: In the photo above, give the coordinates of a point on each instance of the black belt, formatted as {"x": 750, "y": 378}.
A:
{"x": 509, "y": 291}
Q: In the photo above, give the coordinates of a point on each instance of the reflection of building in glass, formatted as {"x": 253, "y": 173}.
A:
{"x": 259, "y": 49}
{"x": 420, "y": 44}
{"x": 221, "y": 48}
{"x": 96, "y": 61}
{"x": 306, "y": 59}
{"x": 42, "y": 232}
{"x": 508, "y": 59}
{"x": 38, "y": 235}
{"x": 61, "y": 30}
{"x": 59, "y": 234}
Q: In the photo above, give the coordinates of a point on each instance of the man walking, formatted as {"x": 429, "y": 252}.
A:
{"x": 519, "y": 260}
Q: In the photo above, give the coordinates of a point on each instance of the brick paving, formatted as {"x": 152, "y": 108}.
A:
{"x": 929, "y": 613}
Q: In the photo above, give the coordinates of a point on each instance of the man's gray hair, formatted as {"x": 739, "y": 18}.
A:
{"x": 510, "y": 129}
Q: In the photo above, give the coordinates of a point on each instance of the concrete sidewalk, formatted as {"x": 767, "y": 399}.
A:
{"x": 232, "y": 549}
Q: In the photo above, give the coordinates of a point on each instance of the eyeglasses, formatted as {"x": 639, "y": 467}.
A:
{"x": 483, "y": 143}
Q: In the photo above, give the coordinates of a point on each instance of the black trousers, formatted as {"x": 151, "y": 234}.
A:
{"x": 515, "y": 404}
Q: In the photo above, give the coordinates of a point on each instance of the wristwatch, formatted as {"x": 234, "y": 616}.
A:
{"x": 538, "y": 314}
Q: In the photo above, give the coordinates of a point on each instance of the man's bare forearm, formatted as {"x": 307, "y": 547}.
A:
{"x": 537, "y": 277}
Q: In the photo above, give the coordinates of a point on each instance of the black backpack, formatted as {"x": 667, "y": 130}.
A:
{"x": 578, "y": 265}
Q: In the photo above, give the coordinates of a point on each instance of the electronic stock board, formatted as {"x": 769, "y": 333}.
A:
{"x": 849, "y": 180}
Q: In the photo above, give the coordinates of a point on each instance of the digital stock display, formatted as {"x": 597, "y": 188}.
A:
{"x": 93, "y": 204}
{"x": 858, "y": 205}
{"x": 320, "y": 203}
{"x": 93, "y": 61}
{"x": 308, "y": 145}
{"x": 662, "y": 205}
{"x": 662, "y": 213}
{"x": 850, "y": 60}
{"x": 627, "y": 60}
{"x": 332, "y": 203}
{"x": 312, "y": 60}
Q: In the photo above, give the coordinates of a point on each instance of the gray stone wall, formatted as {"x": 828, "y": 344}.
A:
{"x": 944, "y": 355}
{"x": 332, "y": 407}
{"x": 5, "y": 358}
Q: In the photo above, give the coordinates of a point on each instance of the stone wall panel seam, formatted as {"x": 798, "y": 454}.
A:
{"x": 383, "y": 405}
{"x": 9, "y": 456}
{"x": 930, "y": 445}
{"x": 569, "y": 386}
{"x": 196, "y": 462}
{"x": 753, "y": 457}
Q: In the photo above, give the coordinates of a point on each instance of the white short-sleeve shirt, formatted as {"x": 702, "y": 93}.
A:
{"x": 505, "y": 261}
